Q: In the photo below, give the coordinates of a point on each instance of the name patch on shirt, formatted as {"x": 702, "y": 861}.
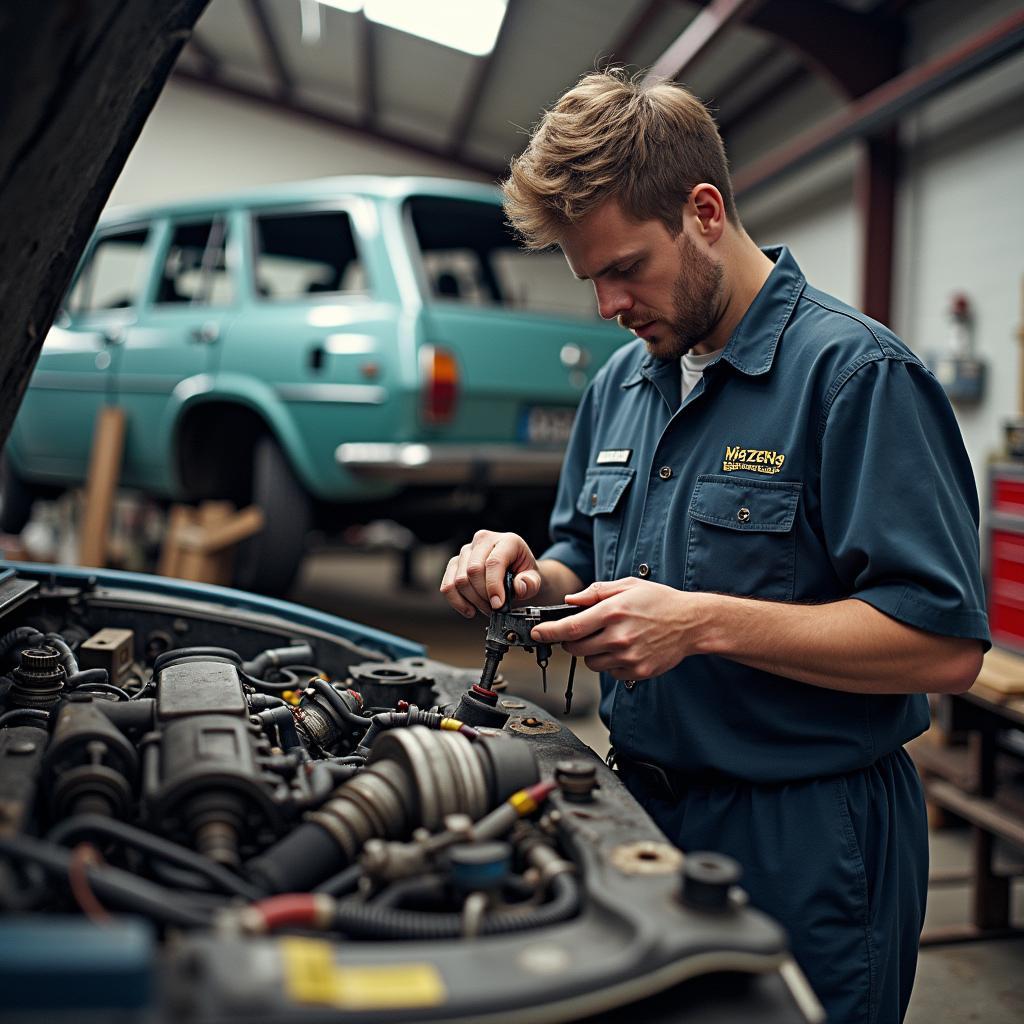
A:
{"x": 755, "y": 460}
{"x": 614, "y": 456}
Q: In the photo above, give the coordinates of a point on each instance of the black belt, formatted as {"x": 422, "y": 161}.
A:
{"x": 666, "y": 784}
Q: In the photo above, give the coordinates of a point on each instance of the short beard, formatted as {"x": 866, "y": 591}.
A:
{"x": 697, "y": 302}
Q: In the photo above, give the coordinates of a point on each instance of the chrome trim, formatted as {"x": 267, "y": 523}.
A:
{"x": 351, "y": 394}
{"x": 56, "y": 380}
{"x": 450, "y": 463}
{"x": 148, "y": 384}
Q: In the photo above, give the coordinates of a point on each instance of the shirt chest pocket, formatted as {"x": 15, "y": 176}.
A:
{"x": 741, "y": 538}
{"x": 602, "y": 499}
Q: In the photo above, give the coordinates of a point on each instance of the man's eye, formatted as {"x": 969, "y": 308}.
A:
{"x": 626, "y": 271}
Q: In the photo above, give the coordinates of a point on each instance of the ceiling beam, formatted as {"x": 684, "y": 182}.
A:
{"x": 698, "y": 36}
{"x": 790, "y": 78}
{"x": 209, "y": 59}
{"x": 786, "y": 80}
{"x": 633, "y": 33}
{"x": 292, "y": 108}
{"x": 883, "y": 106}
{"x": 856, "y": 50}
{"x": 272, "y": 56}
{"x": 368, "y": 48}
{"x": 479, "y": 81}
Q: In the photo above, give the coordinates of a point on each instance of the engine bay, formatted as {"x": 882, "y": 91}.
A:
{"x": 215, "y": 807}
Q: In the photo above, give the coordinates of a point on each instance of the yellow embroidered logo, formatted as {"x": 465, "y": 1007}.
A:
{"x": 755, "y": 460}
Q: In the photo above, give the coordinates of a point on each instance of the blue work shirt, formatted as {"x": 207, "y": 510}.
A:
{"x": 816, "y": 460}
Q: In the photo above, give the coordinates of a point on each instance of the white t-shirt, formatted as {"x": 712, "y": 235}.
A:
{"x": 693, "y": 369}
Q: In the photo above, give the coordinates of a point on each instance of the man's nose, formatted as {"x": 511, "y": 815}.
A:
{"x": 612, "y": 300}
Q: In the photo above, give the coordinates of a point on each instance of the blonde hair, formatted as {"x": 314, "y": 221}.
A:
{"x": 610, "y": 135}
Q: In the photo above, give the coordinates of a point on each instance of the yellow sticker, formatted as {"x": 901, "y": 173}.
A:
{"x": 312, "y": 976}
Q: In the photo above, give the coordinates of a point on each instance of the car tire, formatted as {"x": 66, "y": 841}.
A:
{"x": 268, "y": 562}
{"x": 16, "y": 499}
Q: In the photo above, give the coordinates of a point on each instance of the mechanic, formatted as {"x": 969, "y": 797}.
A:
{"x": 768, "y": 513}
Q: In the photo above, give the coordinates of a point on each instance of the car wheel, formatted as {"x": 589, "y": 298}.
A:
{"x": 16, "y": 499}
{"x": 269, "y": 561}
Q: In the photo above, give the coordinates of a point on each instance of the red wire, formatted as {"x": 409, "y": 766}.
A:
{"x": 82, "y": 856}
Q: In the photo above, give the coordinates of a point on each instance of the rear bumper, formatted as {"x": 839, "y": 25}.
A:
{"x": 450, "y": 463}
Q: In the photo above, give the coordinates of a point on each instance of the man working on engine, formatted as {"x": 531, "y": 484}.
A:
{"x": 768, "y": 513}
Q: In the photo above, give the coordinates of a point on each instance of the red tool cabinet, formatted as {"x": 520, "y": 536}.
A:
{"x": 1006, "y": 555}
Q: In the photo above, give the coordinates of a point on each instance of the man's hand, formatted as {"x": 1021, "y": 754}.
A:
{"x": 635, "y": 629}
{"x": 475, "y": 578}
{"x": 632, "y": 629}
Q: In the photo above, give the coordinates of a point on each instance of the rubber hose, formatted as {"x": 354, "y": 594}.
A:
{"x": 331, "y": 695}
{"x": 35, "y": 716}
{"x": 365, "y": 921}
{"x": 74, "y": 829}
{"x": 424, "y": 885}
{"x": 87, "y": 675}
{"x": 10, "y": 640}
{"x": 68, "y": 659}
{"x": 278, "y": 657}
{"x": 392, "y": 719}
{"x": 343, "y": 882}
{"x": 110, "y": 688}
{"x": 111, "y": 885}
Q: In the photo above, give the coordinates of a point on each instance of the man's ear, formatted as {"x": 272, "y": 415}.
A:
{"x": 708, "y": 207}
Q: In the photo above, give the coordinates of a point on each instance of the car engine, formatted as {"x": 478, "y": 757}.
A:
{"x": 215, "y": 807}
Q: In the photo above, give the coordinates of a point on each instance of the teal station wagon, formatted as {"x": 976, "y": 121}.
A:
{"x": 335, "y": 351}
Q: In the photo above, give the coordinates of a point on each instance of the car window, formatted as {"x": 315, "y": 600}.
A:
{"x": 113, "y": 276}
{"x": 195, "y": 270}
{"x": 305, "y": 255}
{"x": 470, "y": 256}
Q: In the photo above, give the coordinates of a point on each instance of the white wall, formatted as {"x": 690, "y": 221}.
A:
{"x": 197, "y": 142}
{"x": 960, "y": 211}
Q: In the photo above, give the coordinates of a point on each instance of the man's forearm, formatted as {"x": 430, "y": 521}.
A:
{"x": 847, "y": 645}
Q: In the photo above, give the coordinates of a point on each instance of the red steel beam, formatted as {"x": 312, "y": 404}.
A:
{"x": 883, "y": 106}
{"x": 698, "y": 36}
{"x": 875, "y": 191}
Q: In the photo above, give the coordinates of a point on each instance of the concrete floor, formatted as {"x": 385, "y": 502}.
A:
{"x": 967, "y": 982}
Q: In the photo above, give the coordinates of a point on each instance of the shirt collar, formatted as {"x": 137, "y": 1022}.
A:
{"x": 751, "y": 348}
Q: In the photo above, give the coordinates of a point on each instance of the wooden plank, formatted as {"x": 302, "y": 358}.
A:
{"x": 1002, "y": 671}
{"x": 227, "y": 531}
{"x": 178, "y": 519}
{"x": 101, "y": 485}
{"x": 984, "y": 813}
{"x": 196, "y": 564}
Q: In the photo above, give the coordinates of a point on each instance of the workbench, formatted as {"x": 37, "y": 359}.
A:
{"x": 980, "y": 779}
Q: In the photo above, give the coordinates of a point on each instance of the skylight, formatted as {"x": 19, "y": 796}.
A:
{"x": 468, "y": 25}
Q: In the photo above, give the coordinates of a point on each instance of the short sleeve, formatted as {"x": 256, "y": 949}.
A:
{"x": 571, "y": 532}
{"x": 899, "y": 504}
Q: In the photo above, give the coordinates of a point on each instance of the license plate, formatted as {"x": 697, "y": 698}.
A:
{"x": 546, "y": 425}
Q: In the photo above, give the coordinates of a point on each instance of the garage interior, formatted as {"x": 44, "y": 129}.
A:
{"x": 882, "y": 141}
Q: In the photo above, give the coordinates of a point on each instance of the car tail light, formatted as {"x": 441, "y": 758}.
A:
{"x": 440, "y": 384}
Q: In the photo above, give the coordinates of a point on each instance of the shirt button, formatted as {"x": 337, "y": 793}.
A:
{"x": 643, "y": 569}
{"x": 665, "y": 472}
{"x": 629, "y": 684}
{"x": 593, "y": 501}
{"x": 743, "y": 515}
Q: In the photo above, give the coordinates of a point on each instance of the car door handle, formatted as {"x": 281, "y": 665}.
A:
{"x": 207, "y": 334}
